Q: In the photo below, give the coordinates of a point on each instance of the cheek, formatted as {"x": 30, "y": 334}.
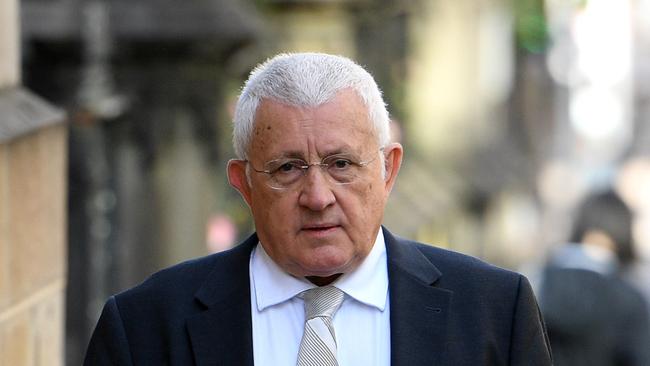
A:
{"x": 262, "y": 209}
{"x": 368, "y": 205}
{"x": 271, "y": 226}
{"x": 274, "y": 212}
{"x": 374, "y": 196}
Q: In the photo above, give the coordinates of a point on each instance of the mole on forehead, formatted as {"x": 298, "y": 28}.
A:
{"x": 318, "y": 126}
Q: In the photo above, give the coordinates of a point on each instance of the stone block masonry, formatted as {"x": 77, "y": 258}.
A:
{"x": 33, "y": 153}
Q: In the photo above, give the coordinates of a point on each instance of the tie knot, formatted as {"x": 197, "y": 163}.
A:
{"x": 322, "y": 301}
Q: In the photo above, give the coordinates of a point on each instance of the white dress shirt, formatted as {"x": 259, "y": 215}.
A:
{"x": 362, "y": 324}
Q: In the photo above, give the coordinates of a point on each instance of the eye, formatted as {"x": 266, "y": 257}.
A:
{"x": 287, "y": 167}
{"x": 340, "y": 163}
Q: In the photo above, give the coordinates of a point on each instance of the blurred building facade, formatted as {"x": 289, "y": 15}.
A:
{"x": 144, "y": 84}
{"x": 33, "y": 259}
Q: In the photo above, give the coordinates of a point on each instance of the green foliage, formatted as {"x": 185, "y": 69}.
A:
{"x": 530, "y": 25}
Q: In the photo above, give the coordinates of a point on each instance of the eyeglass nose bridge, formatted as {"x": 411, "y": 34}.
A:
{"x": 323, "y": 169}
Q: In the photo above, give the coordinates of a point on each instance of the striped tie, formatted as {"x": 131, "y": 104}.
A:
{"x": 318, "y": 345}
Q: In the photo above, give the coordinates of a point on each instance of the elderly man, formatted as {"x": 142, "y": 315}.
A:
{"x": 321, "y": 282}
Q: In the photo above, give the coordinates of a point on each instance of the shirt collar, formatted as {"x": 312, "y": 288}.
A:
{"x": 367, "y": 284}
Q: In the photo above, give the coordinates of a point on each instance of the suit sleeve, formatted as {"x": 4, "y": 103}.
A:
{"x": 529, "y": 344}
{"x": 108, "y": 344}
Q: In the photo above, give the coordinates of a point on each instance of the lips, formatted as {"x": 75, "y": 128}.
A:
{"x": 321, "y": 228}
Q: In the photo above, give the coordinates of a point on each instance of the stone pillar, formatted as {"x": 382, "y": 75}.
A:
{"x": 32, "y": 214}
{"x": 9, "y": 69}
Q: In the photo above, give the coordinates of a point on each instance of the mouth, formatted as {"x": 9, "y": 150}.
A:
{"x": 319, "y": 229}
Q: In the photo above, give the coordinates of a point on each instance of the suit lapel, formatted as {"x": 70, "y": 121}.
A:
{"x": 222, "y": 334}
{"x": 418, "y": 310}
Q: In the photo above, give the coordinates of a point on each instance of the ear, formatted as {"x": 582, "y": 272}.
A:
{"x": 237, "y": 178}
{"x": 392, "y": 162}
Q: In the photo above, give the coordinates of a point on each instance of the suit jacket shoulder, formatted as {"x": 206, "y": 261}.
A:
{"x": 186, "y": 278}
{"x": 465, "y": 311}
{"x": 467, "y": 271}
{"x": 178, "y": 315}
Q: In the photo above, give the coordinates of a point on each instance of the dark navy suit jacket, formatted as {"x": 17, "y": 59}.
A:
{"x": 446, "y": 309}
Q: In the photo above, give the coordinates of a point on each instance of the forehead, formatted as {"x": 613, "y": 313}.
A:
{"x": 340, "y": 124}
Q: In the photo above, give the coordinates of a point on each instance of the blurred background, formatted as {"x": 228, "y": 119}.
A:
{"x": 510, "y": 112}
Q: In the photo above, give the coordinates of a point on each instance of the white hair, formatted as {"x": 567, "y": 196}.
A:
{"x": 305, "y": 80}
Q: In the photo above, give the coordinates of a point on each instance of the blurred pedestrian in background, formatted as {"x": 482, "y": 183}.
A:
{"x": 594, "y": 316}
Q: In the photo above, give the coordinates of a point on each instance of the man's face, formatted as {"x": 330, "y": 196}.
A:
{"x": 316, "y": 227}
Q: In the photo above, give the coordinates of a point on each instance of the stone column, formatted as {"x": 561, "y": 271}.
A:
{"x": 9, "y": 69}
{"x": 32, "y": 214}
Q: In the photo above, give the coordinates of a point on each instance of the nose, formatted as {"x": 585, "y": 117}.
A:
{"x": 316, "y": 192}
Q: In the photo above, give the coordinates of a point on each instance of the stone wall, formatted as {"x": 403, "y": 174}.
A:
{"x": 32, "y": 215}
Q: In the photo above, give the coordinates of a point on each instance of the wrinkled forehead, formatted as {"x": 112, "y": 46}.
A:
{"x": 339, "y": 124}
{"x": 347, "y": 104}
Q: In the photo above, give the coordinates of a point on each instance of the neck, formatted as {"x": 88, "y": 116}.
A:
{"x": 323, "y": 281}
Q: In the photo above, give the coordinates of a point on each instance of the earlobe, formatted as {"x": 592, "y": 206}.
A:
{"x": 393, "y": 162}
{"x": 238, "y": 179}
